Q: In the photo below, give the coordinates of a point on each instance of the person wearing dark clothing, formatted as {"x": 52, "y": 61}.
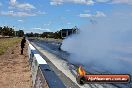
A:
{"x": 23, "y": 44}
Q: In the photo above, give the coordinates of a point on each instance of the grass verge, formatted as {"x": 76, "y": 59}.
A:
{"x": 5, "y": 43}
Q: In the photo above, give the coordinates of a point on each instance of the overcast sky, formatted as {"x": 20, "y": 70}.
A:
{"x": 52, "y": 15}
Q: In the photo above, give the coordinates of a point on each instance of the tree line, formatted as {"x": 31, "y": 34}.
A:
{"x": 56, "y": 35}
{"x": 10, "y": 32}
{"x": 7, "y": 31}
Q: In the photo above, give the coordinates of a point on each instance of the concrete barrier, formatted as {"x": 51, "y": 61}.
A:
{"x": 42, "y": 75}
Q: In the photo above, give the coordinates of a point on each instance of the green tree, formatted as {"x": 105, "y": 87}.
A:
{"x": 30, "y": 34}
{"x": 7, "y": 31}
{"x": 0, "y": 30}
{"x": 20, "y": 33}
{"x": 11, "y": 32}
{"x": 57, "y": 35}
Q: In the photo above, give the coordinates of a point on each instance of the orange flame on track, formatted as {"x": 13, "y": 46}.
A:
{"x": 81, "y": 71}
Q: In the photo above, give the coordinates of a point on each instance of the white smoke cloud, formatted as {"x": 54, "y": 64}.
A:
{"x": 104, "y": 45}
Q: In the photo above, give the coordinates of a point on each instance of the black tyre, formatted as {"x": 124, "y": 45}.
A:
{"x": 81, "y": 80}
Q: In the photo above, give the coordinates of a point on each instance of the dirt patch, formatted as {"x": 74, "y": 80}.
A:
{"x": 14, "y": 69}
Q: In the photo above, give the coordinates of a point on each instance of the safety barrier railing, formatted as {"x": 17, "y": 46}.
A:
{"x": 42, "y": 75}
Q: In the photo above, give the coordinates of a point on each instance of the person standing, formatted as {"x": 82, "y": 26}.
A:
{"x": 23, "y": 44}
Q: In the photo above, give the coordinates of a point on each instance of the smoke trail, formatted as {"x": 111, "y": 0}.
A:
{"x": 104, "y": 45}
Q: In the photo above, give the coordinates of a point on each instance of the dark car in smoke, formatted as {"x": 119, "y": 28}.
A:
{"x": 60, "y": 44}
